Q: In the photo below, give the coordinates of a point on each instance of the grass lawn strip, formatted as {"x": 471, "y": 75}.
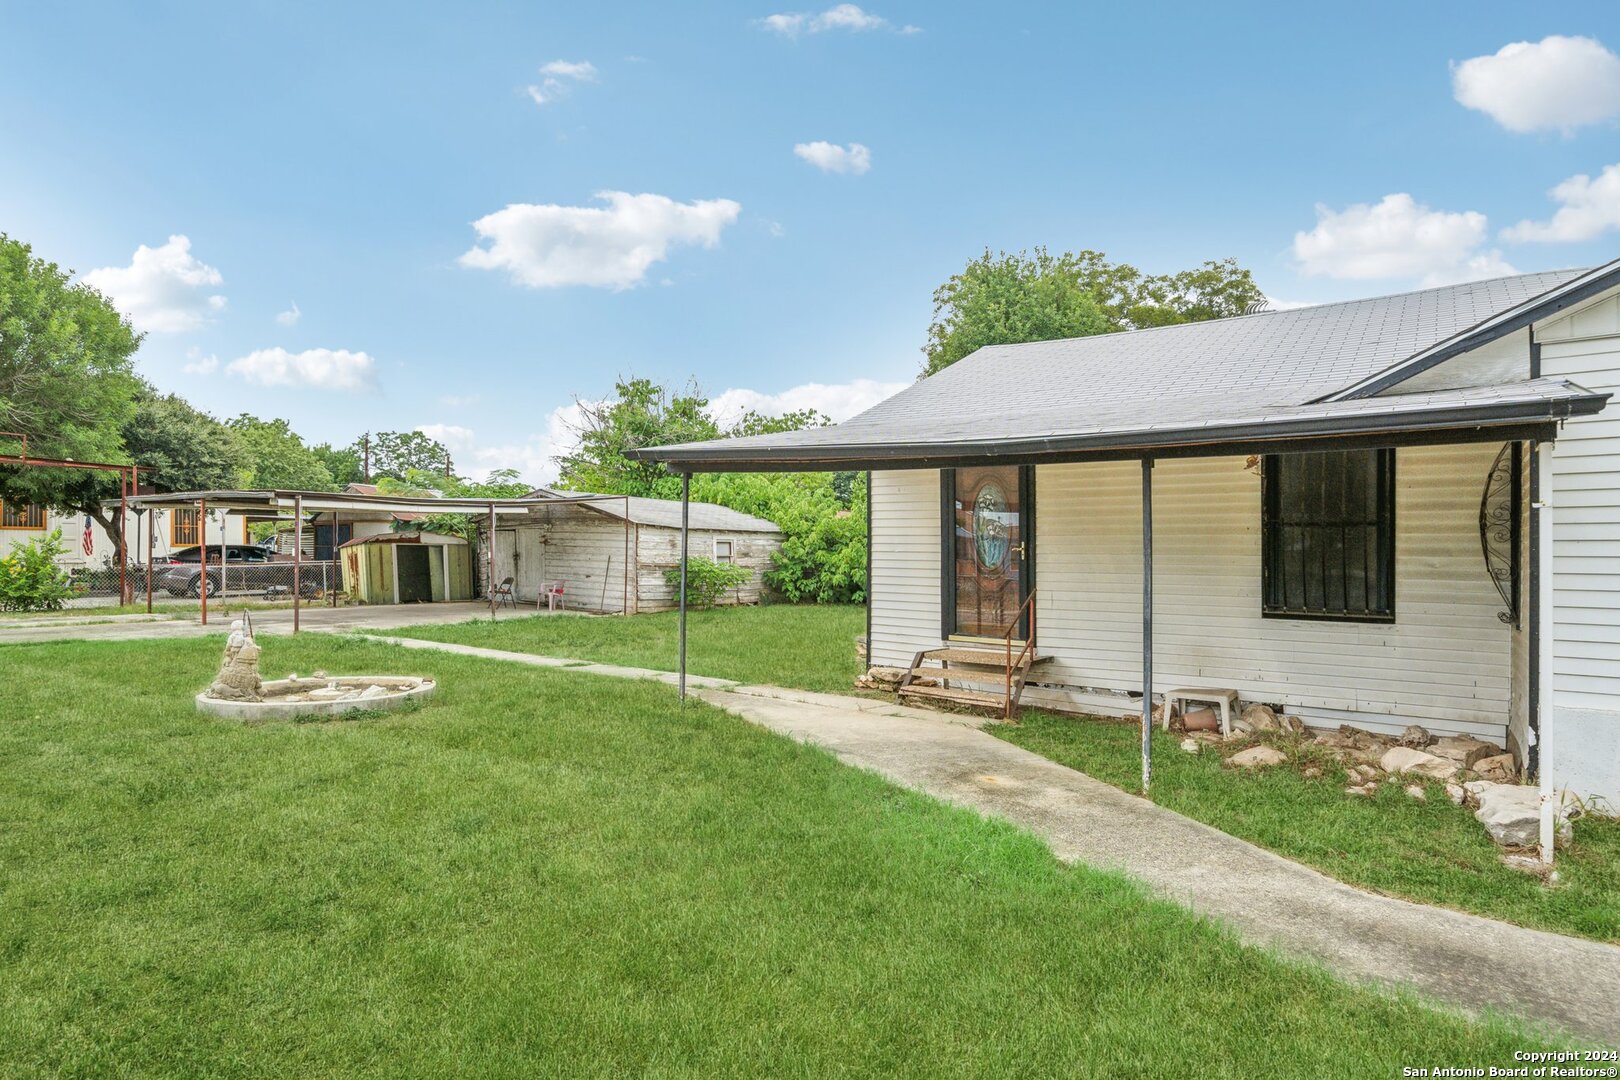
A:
{"x": 544, "y": 874}
{"x": 807, "y": 647}
{"x": 1429, "y": 851}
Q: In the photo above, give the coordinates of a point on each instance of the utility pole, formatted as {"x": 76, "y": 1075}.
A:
{"x": 365, "y": 451}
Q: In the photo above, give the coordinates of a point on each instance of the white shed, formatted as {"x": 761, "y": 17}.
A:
{"x": 612, "y": 554}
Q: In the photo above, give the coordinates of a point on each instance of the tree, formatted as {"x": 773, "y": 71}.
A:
{"x": 185, "y": 448}
{"x": 396, "y": 453}
{"x": 277, "y": 459}
{"x": 641, "y": 413}
{"x": 500, "y": 484}
{"x": 1005, "y": 299}
{"x": 343, "y": 464}
{"x": 66, "y": 381}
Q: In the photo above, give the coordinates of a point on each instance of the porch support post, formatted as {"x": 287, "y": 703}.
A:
{"x": 492, "y": 563}
{"x": 686, "y": 510}
{"x": 150, "y": 527}
{"x": 1541, "y": 653}
{"x": 1147, "y": 624}
{"x": 298, "y": 555}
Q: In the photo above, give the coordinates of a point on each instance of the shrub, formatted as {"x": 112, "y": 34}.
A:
{"x": 30, "y": 580}
{"x": 706, "y": 580}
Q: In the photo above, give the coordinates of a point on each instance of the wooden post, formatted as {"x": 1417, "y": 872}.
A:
{"x": 686, "y": 509}
{"x": 1147, "y": 624}
{"x": 492, "y": 560}
{"x": 298, "y": 556}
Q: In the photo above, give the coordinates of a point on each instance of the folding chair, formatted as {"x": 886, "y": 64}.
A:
{"x": 504, "y": 593}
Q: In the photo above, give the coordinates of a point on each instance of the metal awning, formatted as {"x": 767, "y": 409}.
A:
{"x": 271, "y": 502}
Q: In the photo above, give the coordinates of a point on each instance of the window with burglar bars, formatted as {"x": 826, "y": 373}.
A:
{"x": 1328, "y": 535}
{"x": 183, "y": 531}
{"x": 21, "y": 516}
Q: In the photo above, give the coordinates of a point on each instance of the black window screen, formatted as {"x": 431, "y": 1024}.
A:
{"x": 1328, "y": 535}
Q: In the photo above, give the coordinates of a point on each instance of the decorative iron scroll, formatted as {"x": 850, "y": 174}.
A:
{"x": 1499, "y": 516}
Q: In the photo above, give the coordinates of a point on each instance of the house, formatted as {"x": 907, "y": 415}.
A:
{"x": 611, "y": 553}
{"x": 89, "y": 546}
{"x": 1393, "y": 511}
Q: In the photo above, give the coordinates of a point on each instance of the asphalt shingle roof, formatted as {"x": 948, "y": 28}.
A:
{"x": 1248, "y": 369}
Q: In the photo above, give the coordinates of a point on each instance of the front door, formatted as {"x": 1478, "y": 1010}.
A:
{"x": 989, "y": 553}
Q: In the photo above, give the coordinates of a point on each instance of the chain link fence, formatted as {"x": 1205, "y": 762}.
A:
{"x": 183, "y": 582}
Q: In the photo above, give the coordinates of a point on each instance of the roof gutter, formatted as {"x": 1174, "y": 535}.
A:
{"x": 1204, "y": 440}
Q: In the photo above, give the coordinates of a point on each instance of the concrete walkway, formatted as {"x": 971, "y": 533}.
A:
{"x": 169, "y": 623}
{"x": 1464, "y": 960}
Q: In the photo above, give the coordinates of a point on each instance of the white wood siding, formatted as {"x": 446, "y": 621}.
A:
{"x": 1444, "y": 663}
{"x": 1586, "y": 521}
{"x": 904, "y": 567}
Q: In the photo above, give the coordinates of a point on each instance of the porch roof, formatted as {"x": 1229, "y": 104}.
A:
{"x": 1227, "y": 385}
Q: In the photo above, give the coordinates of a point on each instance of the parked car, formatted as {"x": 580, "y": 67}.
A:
{"x": 248, "y": 568}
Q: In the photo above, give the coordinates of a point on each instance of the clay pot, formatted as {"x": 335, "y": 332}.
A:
{"x": 1201, "y": 720}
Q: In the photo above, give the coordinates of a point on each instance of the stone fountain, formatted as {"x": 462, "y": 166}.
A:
{"x": 239, "y": 693}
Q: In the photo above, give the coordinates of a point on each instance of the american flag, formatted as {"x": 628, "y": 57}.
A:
{"x": 89, "y": 538}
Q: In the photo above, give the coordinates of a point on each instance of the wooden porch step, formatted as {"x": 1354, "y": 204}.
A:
{"x": 960, "y": 697}
{"x": 975, "y": 674}
{"x": 959, "y": 654}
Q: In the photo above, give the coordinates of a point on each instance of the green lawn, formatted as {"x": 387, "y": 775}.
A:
{"x": 548, "y": 873}
{"x": 808, "y": 646}
{"x": 1432, "y": 851}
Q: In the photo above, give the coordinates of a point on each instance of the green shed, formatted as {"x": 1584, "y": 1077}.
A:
{"x": 407, "y": 568}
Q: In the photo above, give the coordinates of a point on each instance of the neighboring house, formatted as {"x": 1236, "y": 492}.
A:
{"x": 1401, "y": 510}
{"x": 171, "y": 530}
{"x": 588, "y": 546}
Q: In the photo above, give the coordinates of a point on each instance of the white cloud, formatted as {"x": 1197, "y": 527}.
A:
{"x": 830, "y": 157}
{"x": 559, "y": 78}
{"x": 846, "y": 17}
{"x": 613, "y": 246}
{"x": 839, "y": 401}
{"x": 163, "y": 289}
{"x": 198, "y": 364}
{"x": 1589, "y": 209}
{"x": 291, "y": 316}
{"x": 1556, "y": 84}
{"x": 459, "y": 401}
{"x": 1397, "y": 238}
{"x": 533, "y": 457}
{"x": 327, "y": 369}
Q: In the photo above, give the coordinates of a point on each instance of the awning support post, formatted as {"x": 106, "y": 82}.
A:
{"x": 1147, "y": 624}
{"x": 686, "y": 509}
{"x": 151, "y": 526}
{"x": 202, "y": 557}
{"x": 298, "y": 555}
{"x": 492, "y": 560}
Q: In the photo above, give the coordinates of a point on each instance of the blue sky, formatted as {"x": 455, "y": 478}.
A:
{"x": 337, "y": 158}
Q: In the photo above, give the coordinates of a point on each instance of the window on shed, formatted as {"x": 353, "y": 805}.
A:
{"x": 722, "y": 551}
{"x": 1328, "y": 535}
